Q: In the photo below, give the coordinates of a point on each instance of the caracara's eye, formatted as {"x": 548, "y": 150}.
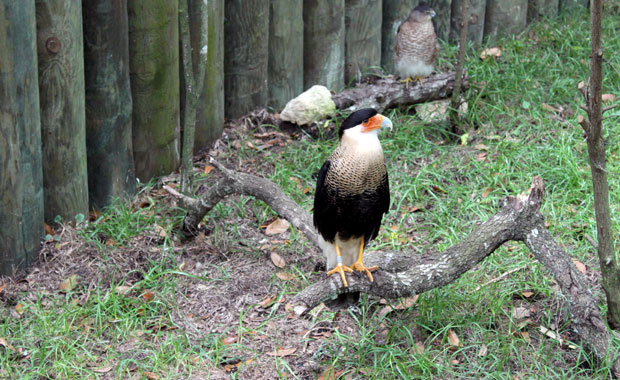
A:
{"x": 365, "y": 121}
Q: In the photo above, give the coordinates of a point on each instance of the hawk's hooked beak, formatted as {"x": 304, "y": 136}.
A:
{"x": 377, "y": 122}
{"x": 433, "y": 14}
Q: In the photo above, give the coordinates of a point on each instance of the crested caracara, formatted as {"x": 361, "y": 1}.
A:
{"x": 352, "y": 193}
{"x": 415, "y": 45}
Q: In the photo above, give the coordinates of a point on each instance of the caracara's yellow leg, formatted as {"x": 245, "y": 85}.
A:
{"x": 419, "y": 79}
{"x": 340, "y": 268}
{"x": 359, "y": 264}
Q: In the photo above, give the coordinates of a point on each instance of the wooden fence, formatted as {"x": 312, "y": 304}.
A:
{"x": 91, "y": 92}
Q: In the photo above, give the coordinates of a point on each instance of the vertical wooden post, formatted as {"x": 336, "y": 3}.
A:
{"x": 61, "y": 98}
{"x": 324, "y": 43}
{"x": 362, "y": 43}
{"x": 542, "y": 8}
{"x": 443, "y": 10}
{"x": 108, "y": 101}
{"x": 475, "y": 29}
{"x": 210, "y": 119}
{"x": 246, "y": 38}
{"x": 505, "y": 17}
{"x": 286, "y": 51}
{"x": 154, "y": 74}
{"x": 21, "y": 175}
{"x": 394, "y": 13}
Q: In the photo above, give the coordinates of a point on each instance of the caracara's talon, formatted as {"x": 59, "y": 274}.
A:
{"x": 341, "y": 269}
{"x": 360, "y": 267}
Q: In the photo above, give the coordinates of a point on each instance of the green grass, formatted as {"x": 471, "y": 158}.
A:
{"x": 512, "y": 136}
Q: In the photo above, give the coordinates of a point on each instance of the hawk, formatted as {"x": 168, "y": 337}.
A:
{"x": 415, "y": 46}
{"x": 352, "y": 194}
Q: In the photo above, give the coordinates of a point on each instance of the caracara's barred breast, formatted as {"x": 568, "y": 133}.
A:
{"x": 352, "y": 195}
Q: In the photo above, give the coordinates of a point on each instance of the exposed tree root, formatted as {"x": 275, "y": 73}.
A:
{"x": 400, "y": 275}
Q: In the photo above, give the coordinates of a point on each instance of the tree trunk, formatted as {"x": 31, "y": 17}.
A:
{"x": 154, "y": 73}
{"x": 475, "y": 29}
{"x": 286, "y": 51}
{"x": 596, "y": 152}
{"x": 108, "y": 102}
{"x": 210, "y": 119}
{"x": 246, "y": 38}
{"x": 443, "y": 10}
{"x": 393, "y": 14}
{"x": 362, "y": 42}
{"x": 61, "y": 98}
{"x": 324, "y": 43}
{"x": 21, "y": 174}
{"x": 505, "y": 17}
{"x": 541, "y": 8}
{"x": 455, "y": 101}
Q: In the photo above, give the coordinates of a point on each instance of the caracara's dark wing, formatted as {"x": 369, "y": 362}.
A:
{"x": 324, "y": 207}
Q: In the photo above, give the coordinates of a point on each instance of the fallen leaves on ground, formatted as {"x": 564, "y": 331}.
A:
{"x": 492, "y": 52}
{"x": 208, "y": 169}
{"x": 285, "y": 276}
{"x": 277, "y": 260}
{"x": 268, "y": 301}
{"x": 332, "y": 374}
{"x": 68, "y": 283}
{"x": 277, "y": 227}
{"x": 454, "y": 340}
{"x": 580, "y": 266}
{"x": 483, "y": 351}
{"x": 282, "y": 352}
{"x": 148, "y": 295}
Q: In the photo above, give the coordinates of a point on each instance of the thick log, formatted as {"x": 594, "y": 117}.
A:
{"x": 389, "y": 93}
{"x": 403, "y": 275}
{"x": 210, "y": 118}
{"x": 442, "y": 19}
{"x": 108, "y": 102}
{"x": 21, "y": 174}
{"x": 324, "y": 43}
{"x": 246, "y": 37}
{"x": 394, "y": 13}
{"x": 61, "y": 98}
{"x": 286, "y": 51}
{"x": 542, "y": 8}
{"x": 505, "y": 17}
{"x": 475, "y": 29}
{"x": 362, "y": 44}
{"x": 154, "y": 73}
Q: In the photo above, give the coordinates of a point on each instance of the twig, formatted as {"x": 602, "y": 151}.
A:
{"x": 500, "y": 277}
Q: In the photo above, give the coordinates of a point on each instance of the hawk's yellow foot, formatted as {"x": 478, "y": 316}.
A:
{"x": 408, "y": 80}
{"x": 339, "y": 268}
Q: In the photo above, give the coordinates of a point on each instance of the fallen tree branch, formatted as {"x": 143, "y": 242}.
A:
{"x": 389, "y": 93}
{"x": 402, "y": 275}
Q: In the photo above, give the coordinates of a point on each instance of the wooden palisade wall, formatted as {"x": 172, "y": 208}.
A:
{"x": 21, "y": 173}
{"x": 108, "y": 104}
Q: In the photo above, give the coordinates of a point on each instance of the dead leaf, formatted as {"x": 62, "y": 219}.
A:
{"x": 550, "y": 108}
{"x": 493, "y": 52}
{"x": 285, "y": 276}
{"x": 229, "y": 340}
{"x": 3, "y": 343}
{"x": 268, "y": 301}
{"x": 331, "y": 374}
{"x": 277, "y": 227}
{"x": 405, "y": 303}
{"x": 419, "y": 347}
{"x": 282, "y": 352}
{"x": 68, "y": 283}
{"x": 453, "y": 339}
{"x": 486, "y": 192}
{"x": 148, "y": 295}
{"x": 483, "y": 351}
{"x": 122, "y": 289}
{"x": 48, "y": 229}
{"x": 527, "y": 294}
{"x": 608, "y": 97}
{"x": 581, "y": 85}
{"x": 520, "y": 312}
{"x": 103, "y": 369}
{"x": 208, "y": 169}
{"x": 525, "y": 335}
{"x": 481, "y": 147}
{"x": 151, "y": 375}
{"x": 277, "y": 260}
{"x": 580, "y": 266}
{"x": 481, "y": 156}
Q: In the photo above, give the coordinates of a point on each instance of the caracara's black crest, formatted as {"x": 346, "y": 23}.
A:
{"x": 356, "y": 118}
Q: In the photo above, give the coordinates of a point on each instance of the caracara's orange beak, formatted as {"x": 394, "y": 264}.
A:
{"x": 376, "y": 122}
